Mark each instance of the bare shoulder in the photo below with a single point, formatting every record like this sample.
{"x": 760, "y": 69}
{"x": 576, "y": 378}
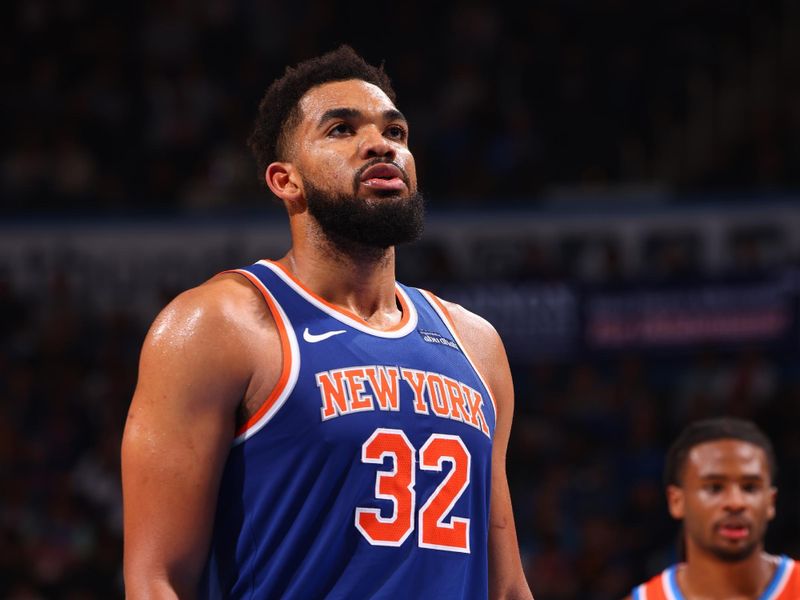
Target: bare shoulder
{"x": 484, "y": 346}
{"x": 226, "y": 311}
{"x": 475, "y": 331}
{"x": 226, "y": 300}
{"x": 212, "y": 338}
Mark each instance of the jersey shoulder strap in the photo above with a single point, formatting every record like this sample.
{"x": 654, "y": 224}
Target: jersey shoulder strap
{"x": 663, "y": 586}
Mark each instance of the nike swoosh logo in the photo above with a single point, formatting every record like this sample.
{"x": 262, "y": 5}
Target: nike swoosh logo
{"x": 313, "y": 338}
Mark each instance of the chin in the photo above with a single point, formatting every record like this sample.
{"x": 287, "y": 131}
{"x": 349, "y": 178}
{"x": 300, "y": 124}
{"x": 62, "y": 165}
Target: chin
{"x": 731, "y": 555}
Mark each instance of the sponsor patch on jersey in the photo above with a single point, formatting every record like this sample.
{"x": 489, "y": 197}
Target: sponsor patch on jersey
{"x": 437, "y": 338}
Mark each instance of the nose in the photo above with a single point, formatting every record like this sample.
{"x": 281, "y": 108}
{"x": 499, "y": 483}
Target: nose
{"x": 373, "y": 144}
{"x": 734, "y": 498}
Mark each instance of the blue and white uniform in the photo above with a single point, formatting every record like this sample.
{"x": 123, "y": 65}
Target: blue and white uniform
{"x": 367, "y": 471}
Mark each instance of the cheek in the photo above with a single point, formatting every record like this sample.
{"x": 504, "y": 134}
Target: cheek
{"x": 412, "y": 174}
{"x": 699, "y": 511}
{"x": 329, "y": 163}
{"x": 406, "y": 160}
{"x": 328, "y": 170}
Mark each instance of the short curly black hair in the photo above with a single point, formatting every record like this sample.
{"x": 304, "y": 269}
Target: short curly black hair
{"x": 278, "y": 112}
{"x": 709, "y": 430}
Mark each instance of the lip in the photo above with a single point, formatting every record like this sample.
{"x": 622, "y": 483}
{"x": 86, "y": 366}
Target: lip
{"x": 733, "y": 530}
{"x": 382, "y": 171}
{"x": 385, "y": 176}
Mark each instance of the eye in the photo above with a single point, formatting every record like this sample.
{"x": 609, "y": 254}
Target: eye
{"x": 751, "y": 488}
{"x": 396, "y": 132}
{"x": 713, "y": 488}
{"x": 340, "y": 129}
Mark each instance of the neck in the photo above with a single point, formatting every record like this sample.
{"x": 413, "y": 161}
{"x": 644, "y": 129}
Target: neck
{"x": 359, "y": 280}
{"x": 705, "y": 576}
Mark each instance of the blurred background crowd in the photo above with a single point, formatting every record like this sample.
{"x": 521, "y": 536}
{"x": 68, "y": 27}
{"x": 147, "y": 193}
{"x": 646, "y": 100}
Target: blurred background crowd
{"x": 145, "y": 105}
{"x": 614, "y": 184}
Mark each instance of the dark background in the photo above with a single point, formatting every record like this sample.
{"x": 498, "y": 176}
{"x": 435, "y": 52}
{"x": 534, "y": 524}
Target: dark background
{"x": 614, "y": 184}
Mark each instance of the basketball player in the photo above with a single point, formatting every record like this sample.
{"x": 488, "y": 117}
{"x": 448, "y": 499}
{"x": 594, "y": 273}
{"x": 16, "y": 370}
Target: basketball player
{"x": 719, "y": 475}
{"x": 307, "y": 427}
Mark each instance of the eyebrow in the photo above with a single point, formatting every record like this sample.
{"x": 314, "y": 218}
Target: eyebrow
{"x": 746, "y": 476}
{"x": 353, "y": 113}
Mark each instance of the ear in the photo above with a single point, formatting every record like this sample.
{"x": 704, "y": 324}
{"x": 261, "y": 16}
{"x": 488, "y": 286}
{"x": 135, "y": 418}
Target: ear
{"x": 773, "y": 494}
{"x": 675, "y": 502}
{"x": 284, "y": 181}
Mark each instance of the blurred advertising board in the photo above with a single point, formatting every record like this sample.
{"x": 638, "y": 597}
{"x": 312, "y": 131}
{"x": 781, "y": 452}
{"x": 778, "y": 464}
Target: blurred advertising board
{"x": 137, "y": 267}
{"x": 560, "y": 320}
{"x": 703, "y": 313}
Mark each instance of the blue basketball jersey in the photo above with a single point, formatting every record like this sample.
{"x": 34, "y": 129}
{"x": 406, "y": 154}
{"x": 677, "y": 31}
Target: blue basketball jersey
{"x": 367, "y": 471}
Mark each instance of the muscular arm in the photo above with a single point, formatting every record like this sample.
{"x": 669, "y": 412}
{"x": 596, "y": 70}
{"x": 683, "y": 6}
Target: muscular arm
{"x": 195, "y": 369}
{"x": 506, "y": 577}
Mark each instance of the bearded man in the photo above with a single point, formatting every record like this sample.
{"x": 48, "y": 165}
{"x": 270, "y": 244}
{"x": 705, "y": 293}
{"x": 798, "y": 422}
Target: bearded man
{"x": 308, "y": 427}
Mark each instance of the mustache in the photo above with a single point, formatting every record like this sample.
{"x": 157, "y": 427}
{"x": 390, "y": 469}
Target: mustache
{"x": 732, "y": 522}
{"x": 380, "y": 161}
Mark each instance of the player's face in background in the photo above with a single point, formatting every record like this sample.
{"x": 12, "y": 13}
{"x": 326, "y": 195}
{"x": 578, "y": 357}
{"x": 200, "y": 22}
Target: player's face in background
{"x": 726, "y": 499}
{"x": 359, "y": 177}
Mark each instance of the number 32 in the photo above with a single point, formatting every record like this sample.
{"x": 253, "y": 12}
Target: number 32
{"x": 397, "y": 485}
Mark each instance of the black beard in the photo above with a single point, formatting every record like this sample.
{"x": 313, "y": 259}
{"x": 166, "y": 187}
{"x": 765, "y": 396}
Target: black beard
{"x": 352, "y": 223}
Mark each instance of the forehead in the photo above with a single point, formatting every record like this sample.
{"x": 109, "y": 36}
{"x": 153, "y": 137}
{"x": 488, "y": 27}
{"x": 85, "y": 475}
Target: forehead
{"x": 352, "y": 93}
{"x": 728, "y": 458}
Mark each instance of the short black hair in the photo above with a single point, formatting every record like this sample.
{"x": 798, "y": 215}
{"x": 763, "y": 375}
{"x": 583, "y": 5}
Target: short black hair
{"x": 278, "y": 112}
{"x": 709, "y": 430}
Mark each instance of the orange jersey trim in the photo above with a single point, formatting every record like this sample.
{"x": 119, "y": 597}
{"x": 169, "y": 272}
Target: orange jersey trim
{"x": 789, "y": 588}
{"x": 403, "y": 306}
{"x": 653, "y": 589}
{"x": 451, "y": 324}
{"x": 286, "y": 355}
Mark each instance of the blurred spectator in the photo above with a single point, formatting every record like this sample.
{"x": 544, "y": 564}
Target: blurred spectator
{"x": 143, "y": 105}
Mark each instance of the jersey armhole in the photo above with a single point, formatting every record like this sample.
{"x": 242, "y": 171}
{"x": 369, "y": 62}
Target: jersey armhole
{"x": 290, "y": 363}
{"x": 440, "y": 307}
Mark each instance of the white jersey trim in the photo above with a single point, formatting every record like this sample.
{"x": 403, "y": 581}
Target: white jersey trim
{"x": 410, "y": 325}
{"x": 451, "y": 328}
{"x": 294, "y": 363}
{"x": 784, "y": 573}
{"x": 669, "y": 583}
